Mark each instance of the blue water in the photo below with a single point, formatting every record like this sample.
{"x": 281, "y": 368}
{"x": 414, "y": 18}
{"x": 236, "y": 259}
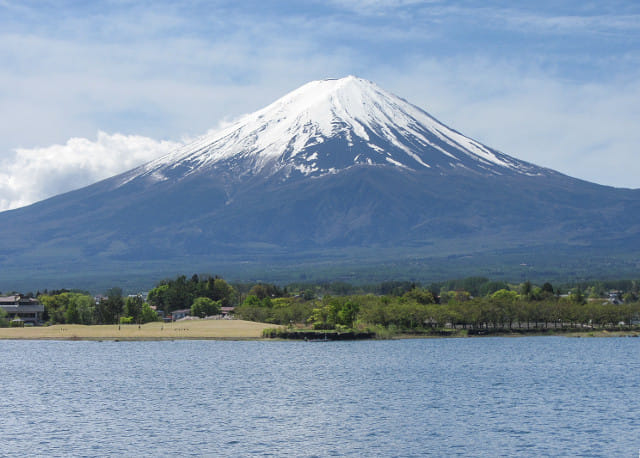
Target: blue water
{"x": 443, "y": 397}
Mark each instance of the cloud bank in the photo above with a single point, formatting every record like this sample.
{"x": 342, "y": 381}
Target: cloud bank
{"x": 34, "y": 174}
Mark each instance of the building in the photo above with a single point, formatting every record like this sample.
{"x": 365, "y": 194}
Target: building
{"x": 25, "y": 308}
{"x": 180, "y": 314}
{"x": 227, "y": 312}
{"x": 615, "y": 297}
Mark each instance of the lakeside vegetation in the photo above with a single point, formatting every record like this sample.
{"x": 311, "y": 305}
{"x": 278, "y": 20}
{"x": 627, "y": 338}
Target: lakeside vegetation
{"x": 470, "y": 306}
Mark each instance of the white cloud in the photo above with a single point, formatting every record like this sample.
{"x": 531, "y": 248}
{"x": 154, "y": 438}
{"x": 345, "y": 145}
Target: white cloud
{"x": 593, "y": 24}
{"x": 37, "y": 173}
{"x": 375, "y": 6}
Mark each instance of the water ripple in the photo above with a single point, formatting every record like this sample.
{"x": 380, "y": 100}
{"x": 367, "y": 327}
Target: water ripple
{"x": 453, "y": 397}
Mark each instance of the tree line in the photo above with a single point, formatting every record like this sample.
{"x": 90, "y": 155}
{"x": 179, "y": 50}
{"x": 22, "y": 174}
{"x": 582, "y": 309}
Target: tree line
{"x": 81, "y": 308}
{"x": 419, "y": 309}
{"x": 474, "y": 302}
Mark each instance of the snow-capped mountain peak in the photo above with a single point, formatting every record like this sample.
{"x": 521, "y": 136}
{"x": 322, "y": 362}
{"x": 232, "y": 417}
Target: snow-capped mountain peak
{"x": 329, "y": 125}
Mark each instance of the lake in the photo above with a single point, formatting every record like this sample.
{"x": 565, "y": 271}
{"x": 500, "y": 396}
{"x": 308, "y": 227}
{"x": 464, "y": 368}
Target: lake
{"x": 443, "y": 397}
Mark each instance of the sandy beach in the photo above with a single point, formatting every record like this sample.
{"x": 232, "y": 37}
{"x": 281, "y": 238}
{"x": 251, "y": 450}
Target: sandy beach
{"x": 188, "y": 329}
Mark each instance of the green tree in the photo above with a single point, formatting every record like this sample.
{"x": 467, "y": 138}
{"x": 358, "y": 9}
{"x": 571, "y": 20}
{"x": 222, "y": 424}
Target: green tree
{"x": 262, "y": 290}
{"x": 176, "y": 294}
{"x": 148, "y": 314}
{"x": 71, "y": 315}
{"x": 252, "y": 300}
{"x": 55, "y": 306}
{"x": 577, "y": 297}
{"x": 133, "y": 308}
{"x": 455, "y": 296}
{"x": 158, "y": 297}
{"x": 256, "y": 313}
{"x": 4, "y": 322}
{"x": 526, "y": 290}
{"x": 491, "y": 287}
{"x": 548, "y": 288}
{"x": 86, "y": 308}
{"x": 568, "y": 311}
{"x": 421, "y": 296}
{"x": 504, "y": 302}
{"x": 290, "y": 310}
{"x": 223, "y": 292}
{"x": 347, "y": 314}
{"x": 110, "y": 309}
{"x": 505, "y": 295}
{"x": 203, "y": 307}
{"x": 319, "y": 318}
{"x": 68, "y": 307}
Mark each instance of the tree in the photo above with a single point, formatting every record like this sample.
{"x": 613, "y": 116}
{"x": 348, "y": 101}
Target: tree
{"x": 203, "y": 307}
{"x": 133, "y": 308}
{"x": 421, "y": 296}
{"x": 148, "y": 314}
{"x": 319, "y": 318}
{"x": 547, "y": 288}
{"x": 454, "y": 296}
{"x": 71, "y": 315}
{"x": 526, "y": 290}
{"x": 577, "y": 297}
{"x": 55, "y": 306}
{"x": 86, "y": 309}
{"x": 68, "y": 307}
{"x": 4, "y": 322}
{"x": 505, "y": 295}
{"x": 262, "y": 290}
{"x": 158, "y": 297}
{"x": 176, "y": 294}
{"x": 223, "y": 292}
{"x": 110, "y": 309}
{"x": 491, "y": 287}
{"x": 347, "y": 314}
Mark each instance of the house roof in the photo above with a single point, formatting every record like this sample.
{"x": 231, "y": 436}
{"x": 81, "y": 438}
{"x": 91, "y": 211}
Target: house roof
{"x": 20, "y": 304}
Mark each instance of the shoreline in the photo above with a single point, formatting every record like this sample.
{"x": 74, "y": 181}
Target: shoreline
{"x": 239, "y": 330}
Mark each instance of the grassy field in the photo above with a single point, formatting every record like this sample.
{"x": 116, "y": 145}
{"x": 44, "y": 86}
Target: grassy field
{"x": 188, "y": 329}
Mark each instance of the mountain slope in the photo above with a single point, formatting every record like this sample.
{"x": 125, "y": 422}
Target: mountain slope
{"x": 336, "y": 169}
{"x": 330, "y": 125}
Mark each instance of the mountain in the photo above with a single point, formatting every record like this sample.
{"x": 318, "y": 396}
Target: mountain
{"x": 337, "y": 171}
{"x": 326, "y": 127}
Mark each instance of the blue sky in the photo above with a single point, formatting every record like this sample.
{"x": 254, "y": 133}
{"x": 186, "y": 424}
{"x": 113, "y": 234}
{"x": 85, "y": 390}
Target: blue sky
{"x": 89, "y": 89}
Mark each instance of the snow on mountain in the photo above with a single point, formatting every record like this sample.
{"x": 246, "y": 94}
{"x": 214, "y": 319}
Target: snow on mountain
{"x": 326, "y": 126}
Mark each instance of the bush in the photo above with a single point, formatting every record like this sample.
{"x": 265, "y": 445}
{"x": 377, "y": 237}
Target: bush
{"x": 270, "y": 333}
